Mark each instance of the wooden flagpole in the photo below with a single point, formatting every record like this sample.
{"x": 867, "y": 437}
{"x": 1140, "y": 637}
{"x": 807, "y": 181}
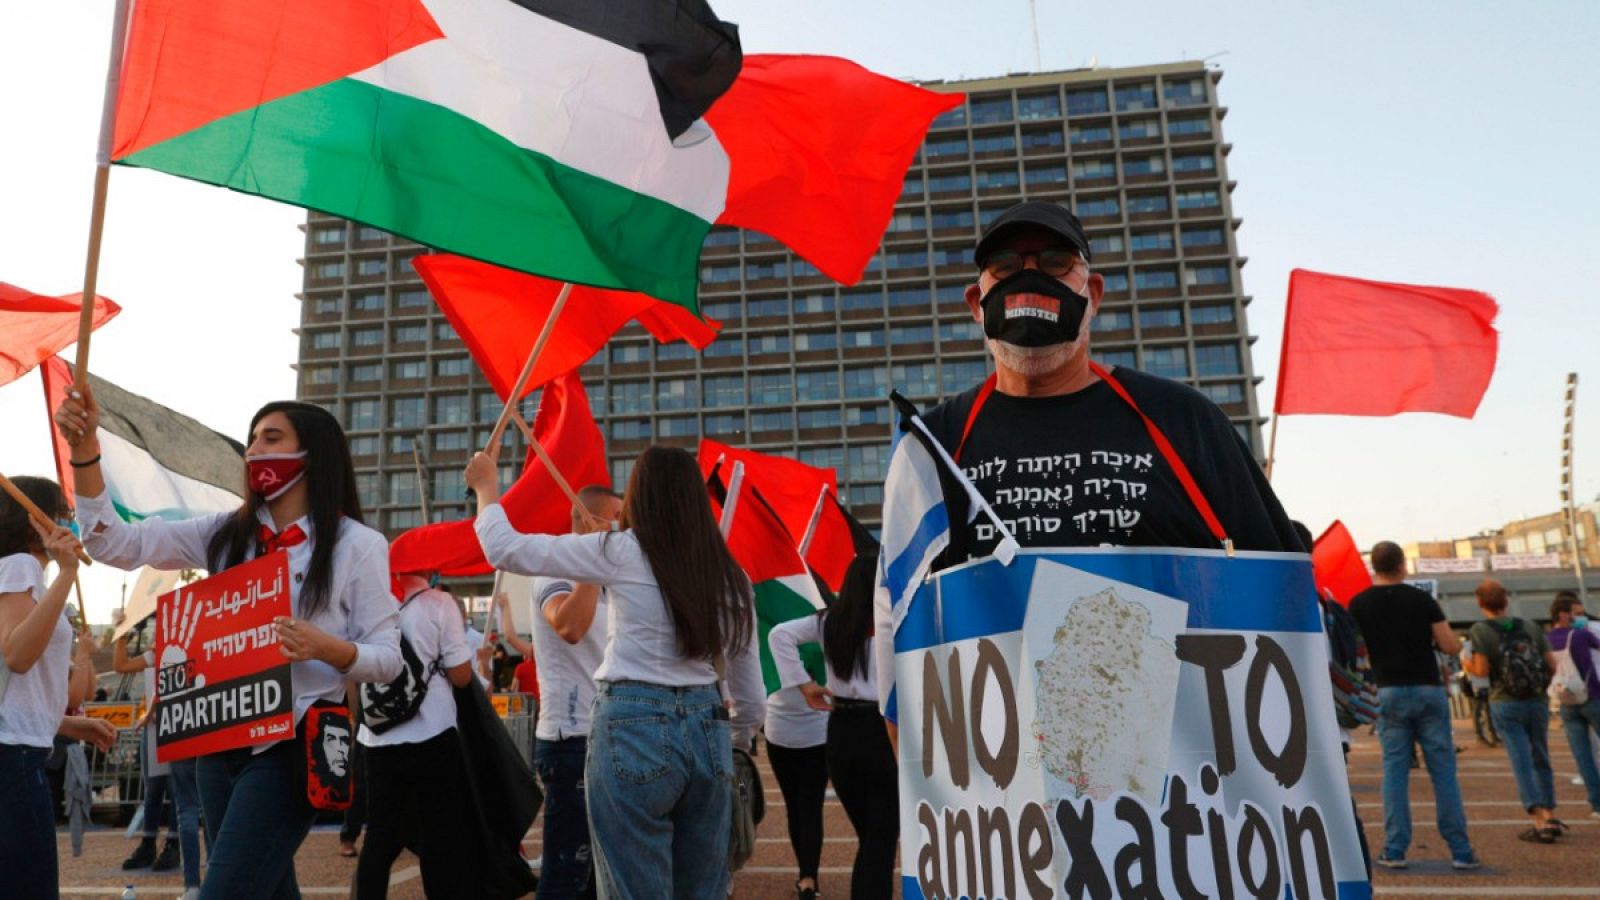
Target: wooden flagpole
{"x": 527, "y": 370}
{"x": 1272, "y": 444}
{"x": 102, "y": 183}
{"x": 549, "y": 464}
{"x": 37, "y": 514}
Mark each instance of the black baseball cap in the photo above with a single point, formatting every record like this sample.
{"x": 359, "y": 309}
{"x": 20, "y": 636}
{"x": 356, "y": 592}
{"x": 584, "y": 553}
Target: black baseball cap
{"x": 1032, "y": 214}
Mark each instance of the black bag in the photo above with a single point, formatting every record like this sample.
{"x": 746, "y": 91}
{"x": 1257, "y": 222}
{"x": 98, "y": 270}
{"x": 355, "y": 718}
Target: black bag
{"x": 503, "y": 796}
{"x": 1523, "y": 671}
{"x": 383, "y": 706}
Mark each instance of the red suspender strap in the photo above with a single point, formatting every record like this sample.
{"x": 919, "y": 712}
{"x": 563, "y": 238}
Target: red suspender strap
{"x": 972, "y": 415}
{"x": 1171, "y": 455}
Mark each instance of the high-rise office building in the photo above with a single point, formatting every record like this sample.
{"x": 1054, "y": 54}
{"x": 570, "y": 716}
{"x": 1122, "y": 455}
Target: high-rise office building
{"x": 803, "y": 365}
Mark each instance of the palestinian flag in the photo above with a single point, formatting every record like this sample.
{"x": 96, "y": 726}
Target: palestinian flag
{"x": 784, "y": 587}
{"x": 158, "y": 464}
{"x": 537, "y": 134}
{"x": 547, "y": 136}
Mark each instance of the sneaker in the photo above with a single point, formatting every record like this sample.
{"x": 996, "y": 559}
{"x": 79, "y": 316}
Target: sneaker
{"x": 142, "y": 855}
{"x": 1391, "y": 862}
{"x": 168, "y": 859}
{"x": 805, "y": 893}
{"x": 1464, "y": 863}
{"x": 1594, "y": 813}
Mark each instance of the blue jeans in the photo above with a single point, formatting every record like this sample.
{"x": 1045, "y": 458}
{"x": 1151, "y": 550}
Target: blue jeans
{"x": 1582, "y": 724}
{"x": 186, "y": 797}
{"x": 157, "y": 809}
{"x": 256, "y": 816}
{"x": 1419, "y": 714}
{"x": 660, "y": 786}
{"x": 27, "y": 825}
{"x": 567, "y": 867}
{"x": 1524, "y": 727}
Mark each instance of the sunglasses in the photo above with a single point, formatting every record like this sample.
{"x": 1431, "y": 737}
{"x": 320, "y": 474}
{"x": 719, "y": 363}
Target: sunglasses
{"x": 1055, "y": 263}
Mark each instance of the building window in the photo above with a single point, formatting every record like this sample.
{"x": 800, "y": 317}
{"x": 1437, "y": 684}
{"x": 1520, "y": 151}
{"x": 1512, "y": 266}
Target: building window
{"x": 1136, "y": 97}
{"x": 367, "y": 337}
{"x": 823, "y": 457}
{"x": 373, "y": 265}
{"x": 760, "y": 270}
{"x": 987, "y": 214}
{"x": 1155, "y": 279}
{"x": 1038, "y": 106}
{"x": 674, "y": 393}
{"x": 1143, "y": 165}
{"x": 910, "y": 334}
{"x": 1150, "y": 240}
{"x": 952, "y": 218}
{"x": 862, "y": 337}
{"x": 724, "y": 348}
{"x": 1212, "y": 314}
{"x": 1205, "y": 198}
{"x": 950, "y": 118}
{"x": 449, "y": 485}
{"x": 868, "y": 463}
{"x": 1189, "y": 92}
{"x": 1099, "y": 206}
{"x": 364, "y": 445}
{"x": 946, "y": 147}
{"x": 820, "y": 418}
{"x": 322, "y": 237}
{"x": 676, "y": 350}
{"x": 1116, "y": 282}
{"x": 1217, "y": 359}
{"x": 446, "y": 441}
{"x": 367, "y": 489}
{"x": 1206, "y": 275}
{"x": 904, "y": 298}
{"x": 867, "y": 415}
{"x": 1168, "y": 362}
{"x": 1090, "y": 134}
{"x": 866, "y": 495}
{"x": 444, "y": 333}
{"x": 367, "y": 301}
{"x": 678, "y": 427}
{"x": 1087, "y": 101}
{"x": 958, "y": 376}
{"x": 451, "y": 409}
{"x": 770, "y": 390}
{"x": 1139, "y": 204}
{"x": 490, "y": 406}
{"x": 1101, "y": 244}
{"x": 453, "y": 367}
{"x": 1110, "y": 358}
{"x": 1042, "y": 139}
{"x": 725, "y": 390}
{"x": 1112, "y": 320}
{"x": 963, "y": 331}
{"x": 325, "y": 306}
{"x": 1210, "y": 236}
{"x": 723, "y": 274}
{"x": 812, "y": 304}
{"x": 912, "y": 187}
{"x": 411, "y": 368}
{"x": 367, "y": 233}
{"x": 326, "y": 340}
{"x": 729, "y": 424}
{"x": 403, "y": 488}
{"x": 630, "y": 397}
{"x": 723, "y": 310}
{"x": 816, "y": 340}
{"x": 1001, "y": 142}
{"x": 817, "y": 384}
{"x": 1223, "y": 394}
{"x": 949, "y": 183}
{"x": 721, "y": 237}
{"x": 870, "y": 382}
{"x": 410, "y": 334}
{"x": 362, "y": 415}
{"x": 327, "y": 270}
{"x": 408, "y": 412}
{"x": 907, "y": 221}
{"x": 630, "y": 353}
{"x": 1194, "y": 162}
{"x": 1161, "y": 317}
{"x": 951, "y": 256}
{"x": 1138, "y": 129}
{"x": 1094, "y": 168}
{"x": 321, "y": 374}
{"x": 630, "y": 430}
{"x": 989, "y": 110}
{"x": 905, "y": 260}
{"x": 1041, "y": 176}
{"x": 1188, "y": 126}
{"x": 867, "y": 298}
{"x": 771, "y": 420}
{"x": 919, "y": 380}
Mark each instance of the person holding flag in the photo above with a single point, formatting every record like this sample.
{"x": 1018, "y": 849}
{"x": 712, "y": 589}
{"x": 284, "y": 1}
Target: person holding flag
{"x": 680, "y": 620}
{"x": 302, "y": 499}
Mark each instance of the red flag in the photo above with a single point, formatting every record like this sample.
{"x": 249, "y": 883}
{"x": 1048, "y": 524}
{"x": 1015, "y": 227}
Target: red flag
{"x": 835, "y": 539}
{"x": 818, "y": 149}
{"x": 534, "y": 505}
{"x": 34, "y": 328}
{"x": 1337, "y": 565}
{"x": 1369, "y": 348}
{"x": 498, "y": 313}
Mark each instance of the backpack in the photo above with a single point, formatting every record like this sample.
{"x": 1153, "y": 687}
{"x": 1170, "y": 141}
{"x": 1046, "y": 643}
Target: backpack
{"x": 1355, "y": 690}
{"x": 1568, "y": 687}
{"x": 1523, "y": 672}
{"x": 383, "y": 706}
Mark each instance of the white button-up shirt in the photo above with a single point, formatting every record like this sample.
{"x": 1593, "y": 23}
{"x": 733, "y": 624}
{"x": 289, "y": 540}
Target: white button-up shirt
{"x": 359, "y": 607}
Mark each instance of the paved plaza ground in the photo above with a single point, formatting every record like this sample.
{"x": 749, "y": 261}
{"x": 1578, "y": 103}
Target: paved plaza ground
{"x": 1511, "y": 869}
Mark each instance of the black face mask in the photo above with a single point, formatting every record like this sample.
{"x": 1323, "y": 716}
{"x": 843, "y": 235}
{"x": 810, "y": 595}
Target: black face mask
{"x": 1053, "y": 316}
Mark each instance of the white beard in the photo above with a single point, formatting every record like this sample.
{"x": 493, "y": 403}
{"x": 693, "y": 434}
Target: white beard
{"x": 1031, "y": 362}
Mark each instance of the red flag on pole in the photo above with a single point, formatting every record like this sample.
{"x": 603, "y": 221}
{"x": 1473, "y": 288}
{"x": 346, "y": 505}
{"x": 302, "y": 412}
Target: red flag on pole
{"x": 1337, "y": 566}
{"x": 1369, "y": 348}
{"x": 495, "y": 310}
{"x": 34, "y": 328}
{"x": 565, "y": 427}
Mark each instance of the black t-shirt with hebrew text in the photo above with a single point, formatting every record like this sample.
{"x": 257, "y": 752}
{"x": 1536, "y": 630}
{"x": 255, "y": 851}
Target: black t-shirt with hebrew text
{"x": 1081, "y": 470}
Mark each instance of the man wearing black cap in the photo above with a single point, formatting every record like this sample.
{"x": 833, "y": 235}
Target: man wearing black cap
{"x": 1065, "y": 459}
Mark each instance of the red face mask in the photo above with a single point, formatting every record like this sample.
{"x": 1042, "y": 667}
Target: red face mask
{"x": 271, "y": 474}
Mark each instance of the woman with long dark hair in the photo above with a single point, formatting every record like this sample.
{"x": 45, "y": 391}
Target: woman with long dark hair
{"x": 679, "y": 608}
{"x": 860, "y": 760}
{"x": 302, "y": 499}
{"x": 36, "y": 646}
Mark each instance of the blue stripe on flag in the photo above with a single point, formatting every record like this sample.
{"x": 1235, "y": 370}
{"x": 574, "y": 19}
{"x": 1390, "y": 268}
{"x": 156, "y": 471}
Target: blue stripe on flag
{"x": 898, "y": 574}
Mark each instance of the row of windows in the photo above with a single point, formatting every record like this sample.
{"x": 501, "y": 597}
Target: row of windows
{"x": 1030, "y": 106}
{"x": 1035, "y": 139}
{"x": 669, "y": 394}
{"x": 365, "y": 267}
{"x": 1114, "y": 320}
{"x": 371, "y": 338}
{"x": 1117, "y": 280}
{"x": 329, "y": 236}
{"x": 1044, "y": 175}
{"x": 1173, "y": 361}
{"x": 371, "y": 301}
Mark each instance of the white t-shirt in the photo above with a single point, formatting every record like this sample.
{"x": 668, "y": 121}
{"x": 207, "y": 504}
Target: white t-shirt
{"x": 792, "y": 723}
{"x": 641, "y": 639}
{"x": 432, "y": 625}
{"x": 785, "y": 640}
{"x": 35, "y": 700}
{"x": 566, "y": 671}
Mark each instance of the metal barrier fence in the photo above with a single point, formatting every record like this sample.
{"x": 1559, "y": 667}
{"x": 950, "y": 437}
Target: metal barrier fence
{"x": 519, "y": 712}
{"x": 116, "y": 780}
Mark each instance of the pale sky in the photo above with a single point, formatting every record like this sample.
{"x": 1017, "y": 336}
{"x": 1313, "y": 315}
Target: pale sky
{"x": 1430, "y": 143}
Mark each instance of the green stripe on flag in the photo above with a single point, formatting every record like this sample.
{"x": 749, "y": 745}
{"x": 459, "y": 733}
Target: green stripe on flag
{"x": 776, "y": 603}
{"x": 427, "y": 173}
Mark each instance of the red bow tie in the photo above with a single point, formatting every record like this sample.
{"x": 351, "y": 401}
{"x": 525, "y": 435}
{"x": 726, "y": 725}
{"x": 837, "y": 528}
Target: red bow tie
{"x": 283, "y": 540}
